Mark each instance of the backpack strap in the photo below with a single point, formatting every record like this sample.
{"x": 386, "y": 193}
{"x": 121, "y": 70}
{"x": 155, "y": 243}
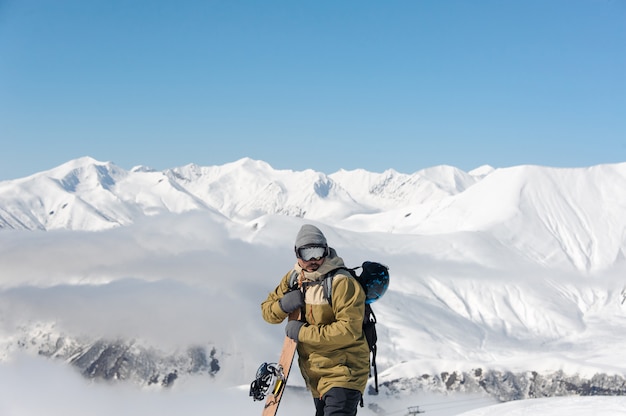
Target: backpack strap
{"x": 327, "y": 286}
{"x": 369, "y": 329}
{"x": 293, "y": 280}
{"x": 327, "y": 282}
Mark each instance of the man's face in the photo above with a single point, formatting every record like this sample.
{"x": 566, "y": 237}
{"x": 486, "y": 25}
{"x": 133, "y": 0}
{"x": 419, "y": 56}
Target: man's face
{"x": 310, "y": 258}
{"x": 311, "y": 265}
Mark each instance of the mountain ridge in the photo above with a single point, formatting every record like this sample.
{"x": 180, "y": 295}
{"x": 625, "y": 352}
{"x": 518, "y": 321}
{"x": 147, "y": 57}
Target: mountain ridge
{"x": 549, "y": 213}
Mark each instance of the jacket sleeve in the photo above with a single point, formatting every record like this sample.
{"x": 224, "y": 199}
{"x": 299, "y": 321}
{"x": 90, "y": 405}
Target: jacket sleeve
{"x": 270, "y": 308}
{"x": 349, "y": 307}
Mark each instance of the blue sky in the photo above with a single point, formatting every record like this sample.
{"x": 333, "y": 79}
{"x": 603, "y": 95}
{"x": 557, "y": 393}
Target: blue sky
{"x": 312, "y": 84}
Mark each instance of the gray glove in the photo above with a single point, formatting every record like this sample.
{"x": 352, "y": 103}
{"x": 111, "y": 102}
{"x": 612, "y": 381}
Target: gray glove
{"x": 293, "y": 329}
{"x": 291, "y": 301}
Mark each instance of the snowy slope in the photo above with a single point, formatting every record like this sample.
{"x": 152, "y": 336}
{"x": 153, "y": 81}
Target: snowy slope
{"x": 498, "y": 275}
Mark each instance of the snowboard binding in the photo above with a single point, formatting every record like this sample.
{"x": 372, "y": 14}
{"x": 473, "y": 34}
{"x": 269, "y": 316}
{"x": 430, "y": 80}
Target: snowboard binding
{"x": 269, "y": 377}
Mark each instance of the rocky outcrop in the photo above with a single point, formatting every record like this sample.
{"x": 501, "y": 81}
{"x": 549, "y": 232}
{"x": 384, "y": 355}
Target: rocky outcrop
{"x": 506, "y": 385}
{"x": 127, "y": 360}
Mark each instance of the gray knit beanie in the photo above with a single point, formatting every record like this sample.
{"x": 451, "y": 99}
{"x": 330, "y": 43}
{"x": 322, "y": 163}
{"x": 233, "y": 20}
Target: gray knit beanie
{"x": 310, "y": 235}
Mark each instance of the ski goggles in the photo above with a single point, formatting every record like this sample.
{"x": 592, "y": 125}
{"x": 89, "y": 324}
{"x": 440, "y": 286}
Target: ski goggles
{"x": 312, "y": 253}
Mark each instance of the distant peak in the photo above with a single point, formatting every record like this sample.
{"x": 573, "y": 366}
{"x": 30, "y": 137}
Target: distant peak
{"x": 481, "y": 171}
{"x": 249, "y": 162}
{"x": 142, "y": 168}
{"x": 80, "y": 163}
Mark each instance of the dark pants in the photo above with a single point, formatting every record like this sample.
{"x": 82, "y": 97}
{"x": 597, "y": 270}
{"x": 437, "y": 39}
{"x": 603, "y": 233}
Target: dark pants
{"x": 338, "y": 401}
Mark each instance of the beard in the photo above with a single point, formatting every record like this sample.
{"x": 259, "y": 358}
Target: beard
{"x": 311, "y": 266}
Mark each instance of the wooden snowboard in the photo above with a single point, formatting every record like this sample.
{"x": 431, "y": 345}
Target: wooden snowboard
{"x": 285, "y": 361}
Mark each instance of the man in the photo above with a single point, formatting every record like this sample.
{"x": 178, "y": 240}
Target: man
{"x": 333, "y": 354}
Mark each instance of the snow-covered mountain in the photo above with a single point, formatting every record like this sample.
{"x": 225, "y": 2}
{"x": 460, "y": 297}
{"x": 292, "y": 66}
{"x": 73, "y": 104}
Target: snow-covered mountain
{"x": 569, "y": 217}
{"x": 507, "y": 281}
{"x": 85, "y": 194}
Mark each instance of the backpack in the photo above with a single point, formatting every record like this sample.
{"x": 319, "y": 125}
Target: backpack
{"x": 374, "y": 279}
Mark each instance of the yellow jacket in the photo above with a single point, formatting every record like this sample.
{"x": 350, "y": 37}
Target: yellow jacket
{"x": 332, "y": 349}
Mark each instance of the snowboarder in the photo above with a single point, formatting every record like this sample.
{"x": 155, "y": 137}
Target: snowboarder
{"x": 333, "y": 354}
